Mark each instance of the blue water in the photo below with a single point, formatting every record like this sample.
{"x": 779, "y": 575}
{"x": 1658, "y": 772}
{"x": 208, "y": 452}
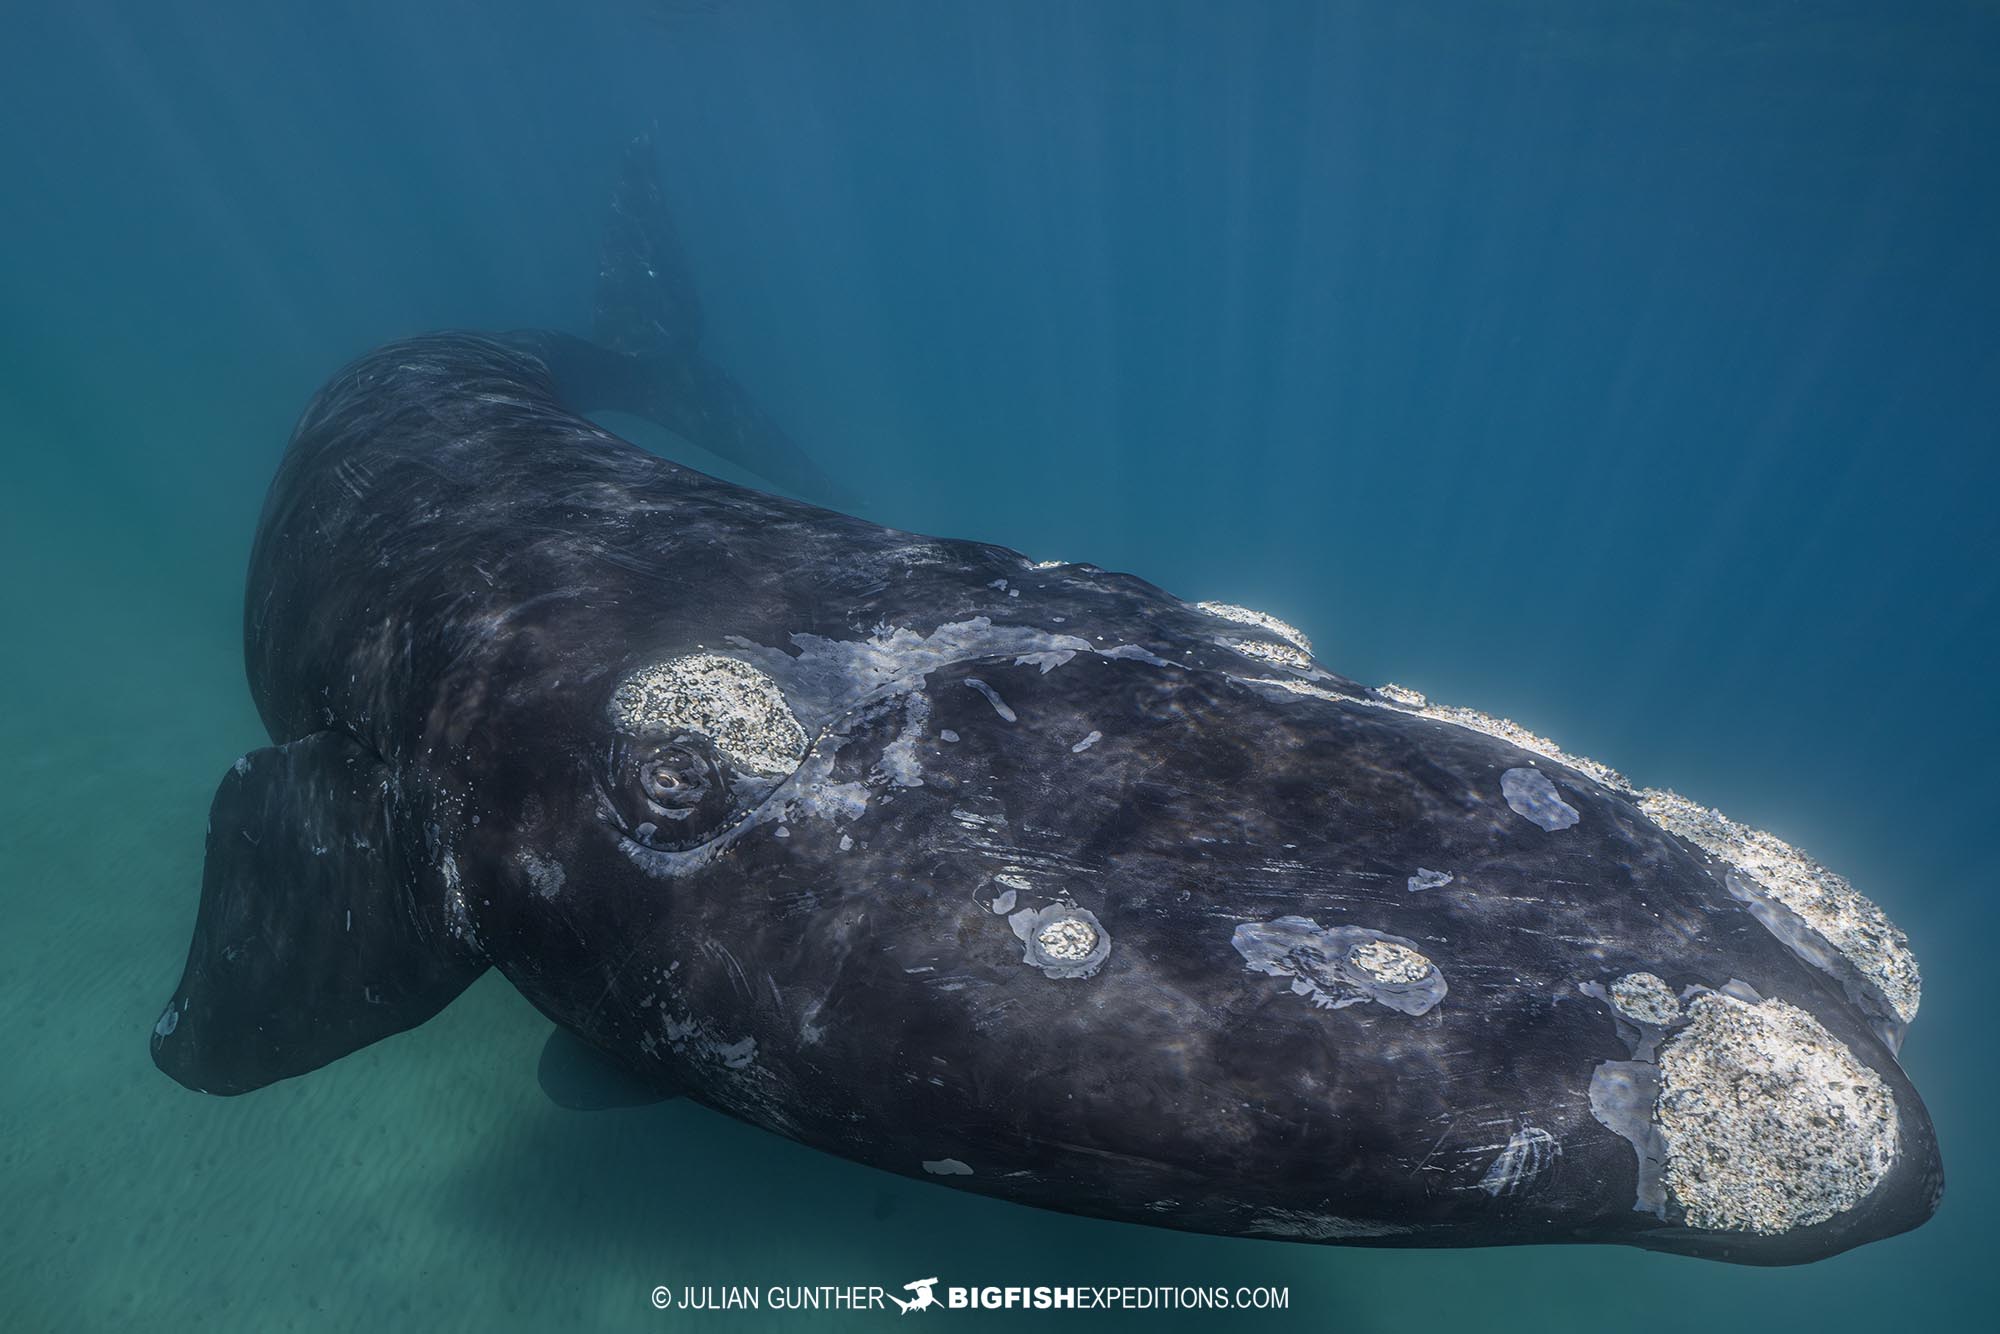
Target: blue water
{"x": 1628, "y": 369}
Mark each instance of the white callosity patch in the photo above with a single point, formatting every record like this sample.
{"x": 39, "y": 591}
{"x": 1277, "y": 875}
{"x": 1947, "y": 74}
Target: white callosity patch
{"x": 946, "y": 1167}
{"x": 1427, "y": 879}
{"x": 1405, "y": 700}
{"x": 1770, "y": 1123}
{"x": 730, "y": 702}
{"x": 1062, "y": 941}
{"x": 1229, "y": 611}
{"x": 1278, "y": 655}
{"x": 1646, "y": 998}
{"x": 1339, "y": 966}
{"x": 1862, "y": 933}
{"x": 1391, "y": 963}
{"x": 1067, "y": 939}
{"x": 1534, "y": 798}
{"x": 1294, "y": 686}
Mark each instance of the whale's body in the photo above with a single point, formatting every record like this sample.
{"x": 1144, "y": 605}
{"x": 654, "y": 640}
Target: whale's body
{"x": 1029, "y": 877}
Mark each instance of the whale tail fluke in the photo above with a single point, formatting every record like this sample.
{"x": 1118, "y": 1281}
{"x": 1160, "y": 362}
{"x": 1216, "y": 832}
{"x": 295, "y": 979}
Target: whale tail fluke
{"x": 645, "y": 356}
{"x": 647, "y": 305}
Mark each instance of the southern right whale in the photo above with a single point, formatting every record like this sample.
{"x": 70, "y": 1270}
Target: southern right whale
{"x": 1025, "y": 876}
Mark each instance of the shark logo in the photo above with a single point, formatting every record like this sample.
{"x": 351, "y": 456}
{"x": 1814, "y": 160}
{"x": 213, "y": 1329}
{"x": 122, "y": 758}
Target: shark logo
{"x": 923, "y": 1299}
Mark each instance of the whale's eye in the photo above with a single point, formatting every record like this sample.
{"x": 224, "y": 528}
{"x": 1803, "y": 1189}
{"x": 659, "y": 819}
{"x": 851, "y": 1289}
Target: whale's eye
{"x": 674, "y": 791}
{"x": 677, "y": 778}
{"x": 702, "y": 739}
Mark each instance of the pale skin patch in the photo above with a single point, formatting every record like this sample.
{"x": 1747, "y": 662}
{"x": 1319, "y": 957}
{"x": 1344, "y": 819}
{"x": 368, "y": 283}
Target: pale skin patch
{"x": 1826, "y": 902}
{"x": 1061, "y": 940}
{"x": 1068, "y": 939}
{"x": 1229, "y": 611}
{"x": 1388, "y": 962}
{"x": 1646, "y": 998}
{"x": 1770, "y": 1122}
{"x": 736, "y": 706}
{"x": 1338, "y": 966}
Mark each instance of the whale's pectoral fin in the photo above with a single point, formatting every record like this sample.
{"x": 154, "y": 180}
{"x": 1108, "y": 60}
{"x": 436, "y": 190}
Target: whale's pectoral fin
{"x": 578, "y": 1076}
{"x": 311, "y": 942}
